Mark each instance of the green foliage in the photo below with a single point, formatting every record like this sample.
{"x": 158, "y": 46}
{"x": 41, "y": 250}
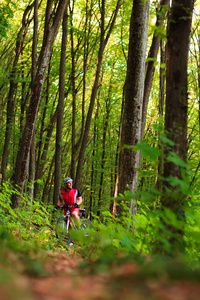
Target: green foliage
{"x": 6, "y": 14}
{"x": 28, "y": 230}
{"x": 147, "y": 151}
{"x": 142, "y": 234}
{"x": 15, "y": 251}
{"x": 108, "y": 241}
{"x": 30, "y": 222}
{"x": 150, "y": 233}
{"x": 173, "y": 157}
{"x": 155, "y": 225}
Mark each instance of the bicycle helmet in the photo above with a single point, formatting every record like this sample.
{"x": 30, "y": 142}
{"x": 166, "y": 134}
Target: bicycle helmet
{"x": 66, "y": 180}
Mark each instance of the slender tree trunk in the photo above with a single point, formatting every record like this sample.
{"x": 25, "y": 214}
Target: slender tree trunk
{"x": 92, "y": 182}
{"x": 39, "y": 162}
{"x": 103, "y": 43}
{"x": 178, "y": 36}
{"x": 60, "y": 111}
{"x": 132, "y": 115}
{"x": 114, "y": 209}
{"x": 179, "y": 27}
{"x": 43, "y": 153}
{"x": 48, "y": 183}
{"x": 161, "y": 107}
{"x": 87, "y": 32}
{"x": 103, "y": 156}
{"x": 153, "y": 53}
{"x": 73, "y": 153}
{"x": 13, "y": 87}
{"x": 50, "y": 33}
{"x": 33, "y": 73}
{"x": 198, "y": 69}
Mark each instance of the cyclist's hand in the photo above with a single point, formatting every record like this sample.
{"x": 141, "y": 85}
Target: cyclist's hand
{"x": 64, "y": 206}
{"x": 57, "y": 206}
{"x": 76, "y": 205}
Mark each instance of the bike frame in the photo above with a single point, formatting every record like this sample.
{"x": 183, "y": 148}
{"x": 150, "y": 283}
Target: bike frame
{"x": 68, "y": 223}
{"x": 69, "y": 220}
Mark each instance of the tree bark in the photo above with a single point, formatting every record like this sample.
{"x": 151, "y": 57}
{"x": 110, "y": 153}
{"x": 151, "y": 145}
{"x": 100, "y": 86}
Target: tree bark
{"x": 73, "y": 84}
{"x": 60, "y": 111}
{"x": 179, "y": 27}
{"x": 105, "y": 127}
{"x": 93, "y": 172}
{"x": 50, "y": 32}
{"x": 132, "y": 113}
{"x": 40, "y": 152}
{"x": 178, "y": 35}
{"x": 161, "y": 108}
{"x": 43, "y": 153}
{"x": 33, "y": 73}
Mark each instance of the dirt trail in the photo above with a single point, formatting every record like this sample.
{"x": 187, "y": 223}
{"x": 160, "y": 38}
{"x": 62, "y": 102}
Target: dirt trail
{"x": 64, "y": 280}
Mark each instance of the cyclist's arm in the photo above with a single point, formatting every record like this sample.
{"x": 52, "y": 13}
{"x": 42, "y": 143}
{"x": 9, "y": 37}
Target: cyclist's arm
{"x": 61, "y": 200}
{"x": 79, "y": 198}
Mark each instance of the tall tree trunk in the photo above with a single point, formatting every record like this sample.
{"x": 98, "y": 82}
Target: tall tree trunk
{"x": 103, "y": 43}
{"x": 153, "y": 52}
{"x": 178, "y": 35}
{"x": 47, "y": 185}
{"x": 39, "y": 162}
{"x": 50, "y": 33}
{"x": 132, "y": 114}
{"x": 161, "y": 107}
{"x": 87, "y": 32}
{"x": 114, "y": 209}
{"x": 43, "y": 154}
{"x": 13, "y": 86}
{"x": 198, "y": 70}
{"x": 105, "y": 127}
{"x": 73, "y": 153}
{"x": 92, "y": 176}
{"x": 60, "y": 111}
{"x": 33, "y": 73}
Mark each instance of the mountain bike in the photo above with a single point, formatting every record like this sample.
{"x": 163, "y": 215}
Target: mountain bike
{"x": 65, "y": 225}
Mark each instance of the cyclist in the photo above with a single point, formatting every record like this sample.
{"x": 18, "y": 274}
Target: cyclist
{"x": 71, "y": 196}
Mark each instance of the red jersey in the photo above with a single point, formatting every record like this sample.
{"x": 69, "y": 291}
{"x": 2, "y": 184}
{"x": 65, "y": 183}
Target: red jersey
{"x": 70, "y": 196}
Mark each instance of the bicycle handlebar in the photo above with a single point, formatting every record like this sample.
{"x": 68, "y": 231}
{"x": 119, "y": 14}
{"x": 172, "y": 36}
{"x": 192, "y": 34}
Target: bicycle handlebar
{"x": 69, "y": 206}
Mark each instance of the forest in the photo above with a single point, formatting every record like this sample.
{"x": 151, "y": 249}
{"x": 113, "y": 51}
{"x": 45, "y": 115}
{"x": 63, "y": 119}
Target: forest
{"x": 108, "y": 93}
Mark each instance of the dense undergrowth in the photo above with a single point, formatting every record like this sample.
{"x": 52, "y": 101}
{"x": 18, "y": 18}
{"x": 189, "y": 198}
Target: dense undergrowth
{"x": 27, "y": 236}
{"x": 29, "y": 230}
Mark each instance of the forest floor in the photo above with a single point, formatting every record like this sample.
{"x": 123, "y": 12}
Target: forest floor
{"x": 66, "y": 275}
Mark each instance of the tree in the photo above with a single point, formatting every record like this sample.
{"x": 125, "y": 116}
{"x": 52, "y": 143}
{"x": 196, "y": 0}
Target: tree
{"x": 60, "y": 111}
{"x": 103, "y": 42}
{"x": 160, "y": 111}
{"x": 52, "y": 23}
{"x": 178, "y": 40}
{"x": 92, "y": 138}
{"x": 33, "y": 73}
{"x": 13, "y": 85}
{"x": 152, "y": 57}
{"x": 132, "y": 112}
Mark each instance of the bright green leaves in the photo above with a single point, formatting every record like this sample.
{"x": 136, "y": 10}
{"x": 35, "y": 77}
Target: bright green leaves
{"x": 147, "y": 150}
{"x": 6, "y": 14}
{"x": 173, "y": 157}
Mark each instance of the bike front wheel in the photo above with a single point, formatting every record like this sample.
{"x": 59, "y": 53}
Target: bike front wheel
{"x": 63, "y": 229}
{"x": 87, "y": 227}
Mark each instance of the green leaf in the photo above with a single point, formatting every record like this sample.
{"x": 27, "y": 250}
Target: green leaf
{"x": 173, "y": 157}
{"x": 166, "y": 140}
